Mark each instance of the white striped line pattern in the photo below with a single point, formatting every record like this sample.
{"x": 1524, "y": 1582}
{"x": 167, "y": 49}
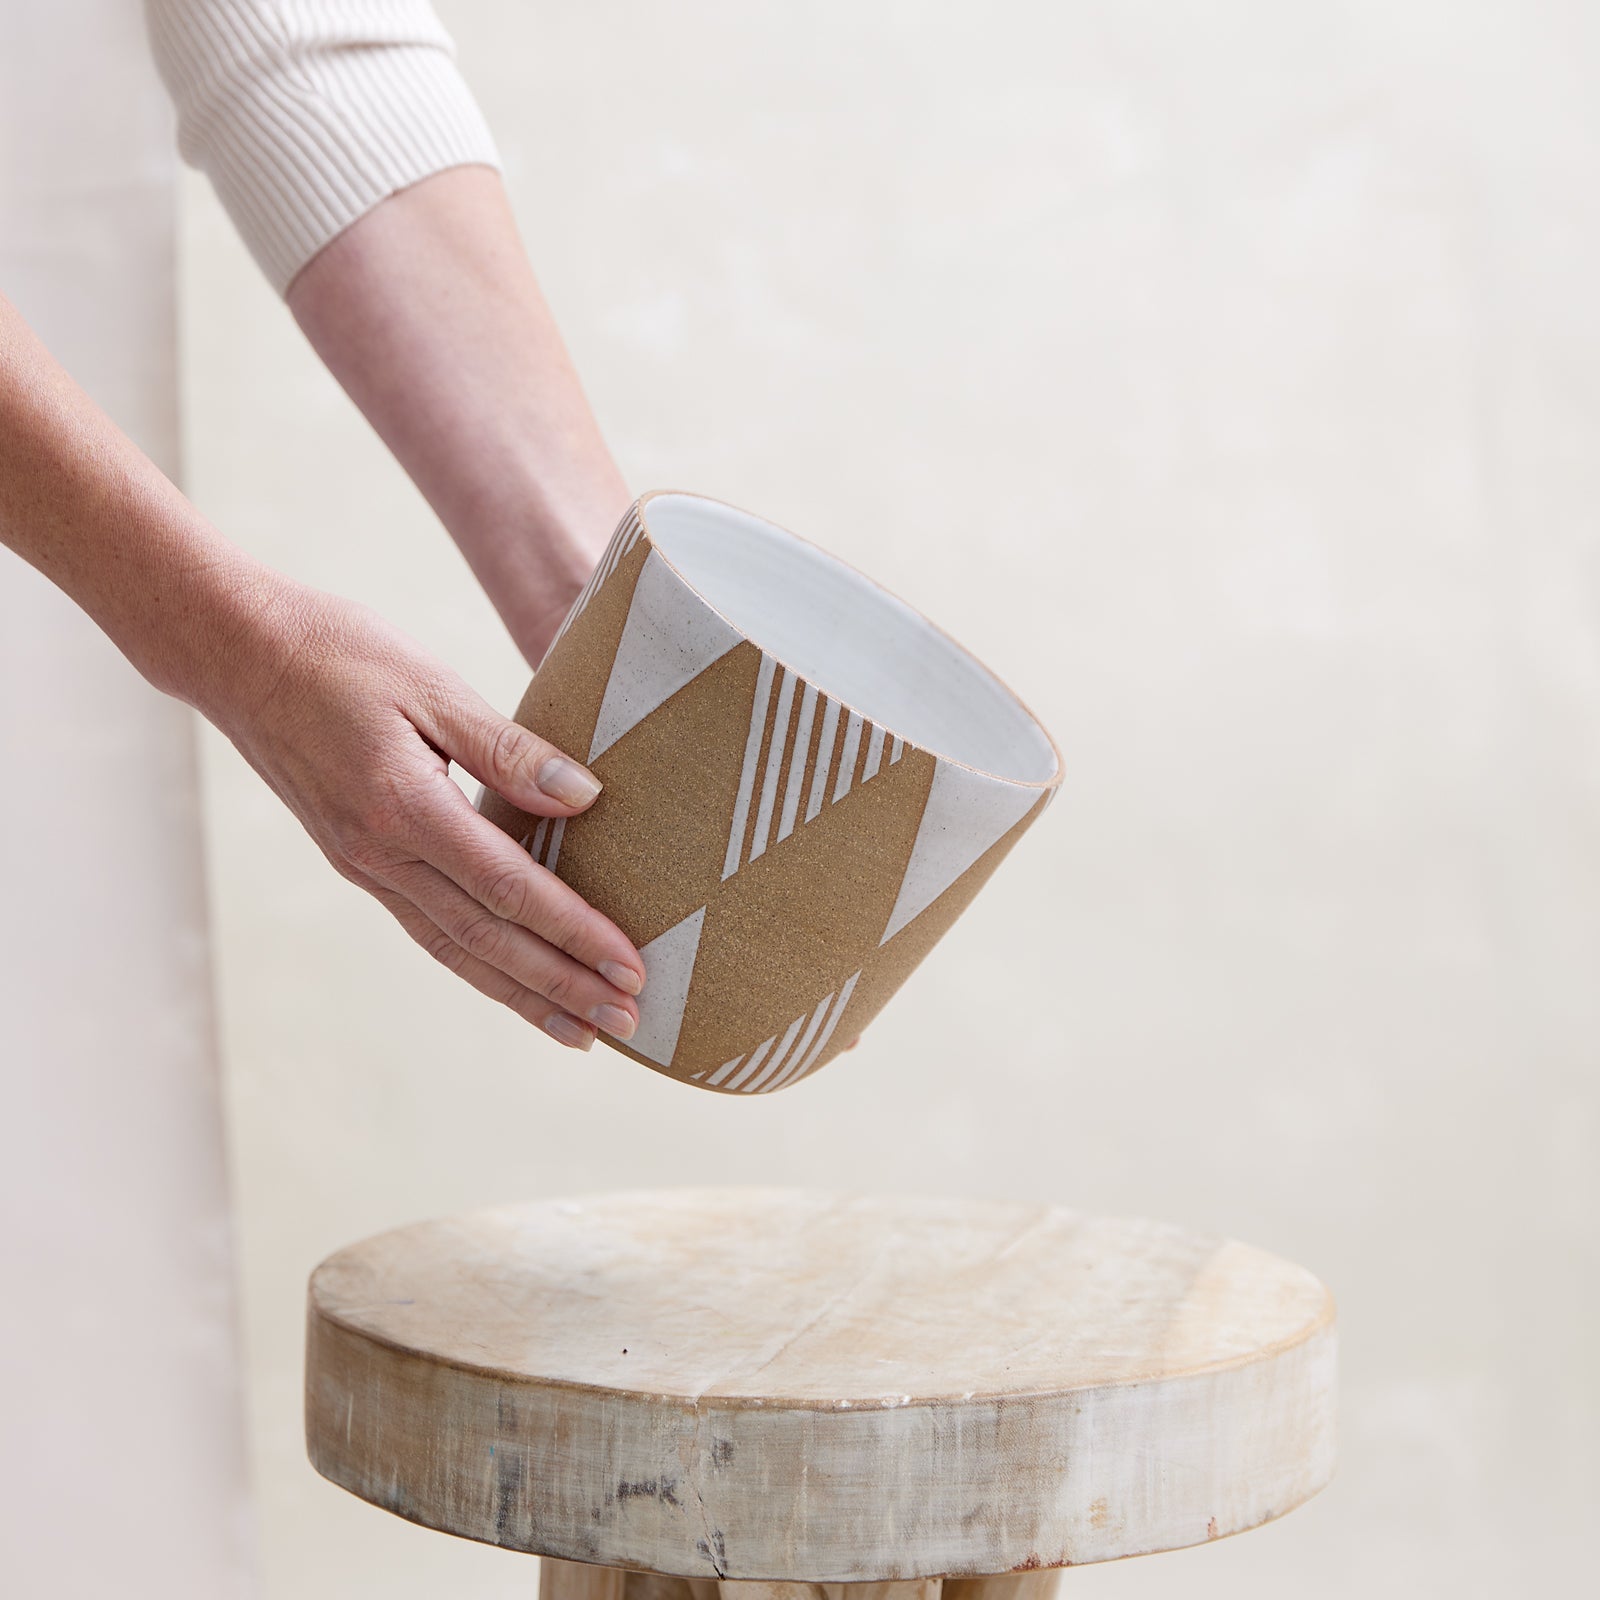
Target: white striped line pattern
{"x": 801, "y": 709}
{"x": 544, "y": 843}
{"x": 779, "y": 1061}
{"x": 622, "y": 541}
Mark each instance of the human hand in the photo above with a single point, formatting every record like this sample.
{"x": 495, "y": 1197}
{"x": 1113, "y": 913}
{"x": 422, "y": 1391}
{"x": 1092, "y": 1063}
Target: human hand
{"x": 354, "y": 726}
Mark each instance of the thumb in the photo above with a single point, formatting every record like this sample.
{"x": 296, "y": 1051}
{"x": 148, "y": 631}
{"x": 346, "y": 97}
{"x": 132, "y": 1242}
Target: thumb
{"x": 528, "y": 771}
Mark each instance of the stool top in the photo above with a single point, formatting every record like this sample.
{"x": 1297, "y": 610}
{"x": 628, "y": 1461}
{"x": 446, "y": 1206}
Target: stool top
{"x": 793, "y": 1384}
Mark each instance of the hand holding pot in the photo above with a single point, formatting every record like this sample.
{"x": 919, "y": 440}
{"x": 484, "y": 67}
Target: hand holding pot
{"x": 354, "y": 726}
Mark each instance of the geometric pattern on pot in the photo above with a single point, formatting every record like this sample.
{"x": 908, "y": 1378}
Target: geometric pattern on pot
{"x": 775, "y": 1062}
{"x": 833, "y": 767}
{"x": 805, "y": 785}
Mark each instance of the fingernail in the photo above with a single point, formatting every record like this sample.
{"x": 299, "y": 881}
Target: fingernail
{"x": 614, "y": 1020}
{"x": 568, "y": 1030}
{"x": 567, "y": 782}
{"x": 625, "y": 978}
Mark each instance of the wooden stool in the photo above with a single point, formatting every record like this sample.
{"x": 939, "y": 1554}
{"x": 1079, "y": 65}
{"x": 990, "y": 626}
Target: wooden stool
{"x": 688, "y": 1387}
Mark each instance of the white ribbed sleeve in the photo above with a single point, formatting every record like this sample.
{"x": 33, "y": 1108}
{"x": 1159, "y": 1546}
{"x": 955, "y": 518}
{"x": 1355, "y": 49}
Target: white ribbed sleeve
{"x": 306, "y": 113}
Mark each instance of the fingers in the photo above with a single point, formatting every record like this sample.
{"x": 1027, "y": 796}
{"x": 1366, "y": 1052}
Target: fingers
{"x": 497, "y": 873}
{"x": 527, "y": 960}
{"x": 487, "y": 980}
{"x": 529, "y": 771}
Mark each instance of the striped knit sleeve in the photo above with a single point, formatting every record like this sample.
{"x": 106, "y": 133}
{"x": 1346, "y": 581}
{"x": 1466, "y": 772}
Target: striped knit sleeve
{"x": 306, "y": 113}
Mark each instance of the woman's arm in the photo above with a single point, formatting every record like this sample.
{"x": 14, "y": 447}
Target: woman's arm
{"x": 357, "y": 168}
{"x": 427, "y": 311}
{"x": 351, "y": 723}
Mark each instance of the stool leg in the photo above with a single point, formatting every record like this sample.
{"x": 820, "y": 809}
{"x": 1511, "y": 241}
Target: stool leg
{"x": 1040, "y": 1585}
{"x": 582, "y": 1580}
{"x": 654, "y": 1586}
{"x": 910, "y": 1589}
{"x": 577, "y": 1580}
{"x": 755, "y": 1589}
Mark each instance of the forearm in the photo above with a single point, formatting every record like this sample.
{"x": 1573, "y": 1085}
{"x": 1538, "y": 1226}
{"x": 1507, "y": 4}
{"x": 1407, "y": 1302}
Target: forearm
{"x": 428, "y": 313}
{"x": 351, "y": 724}
{"x": 82, "y": 504}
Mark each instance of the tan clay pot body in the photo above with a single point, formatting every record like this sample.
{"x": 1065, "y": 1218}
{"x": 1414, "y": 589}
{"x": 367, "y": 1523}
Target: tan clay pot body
{"x": 805, "y": 784}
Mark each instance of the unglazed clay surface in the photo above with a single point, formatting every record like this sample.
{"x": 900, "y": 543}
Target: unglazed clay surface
{"x": 806, "y": 782}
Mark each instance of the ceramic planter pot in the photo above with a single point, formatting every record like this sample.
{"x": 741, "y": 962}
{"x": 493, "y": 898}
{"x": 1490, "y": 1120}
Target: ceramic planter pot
{"x": 806, "y": 782}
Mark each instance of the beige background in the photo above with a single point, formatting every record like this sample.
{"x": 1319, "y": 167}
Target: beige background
{"x": 1229, "y": 378}
{"x": 122, "y": 1453}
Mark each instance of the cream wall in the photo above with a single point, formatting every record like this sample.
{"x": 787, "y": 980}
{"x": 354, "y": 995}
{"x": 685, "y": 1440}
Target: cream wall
{"x": 122, "y": 1452}
{"x": 1229, "y": 378}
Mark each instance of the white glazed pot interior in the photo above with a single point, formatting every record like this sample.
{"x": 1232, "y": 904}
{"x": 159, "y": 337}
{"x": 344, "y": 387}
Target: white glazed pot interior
{"x": 850, "y": 638}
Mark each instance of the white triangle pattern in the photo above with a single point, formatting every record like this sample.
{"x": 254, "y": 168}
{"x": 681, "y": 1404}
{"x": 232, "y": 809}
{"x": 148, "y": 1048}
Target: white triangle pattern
{"x": 670, "y": 638}
{"x": 966, "y": 812}
{"x": 777, "y": 815}
{"x": 668, "y": 966}
{"x": 764, "y": 1070}
{"x": 623, "y": 540}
